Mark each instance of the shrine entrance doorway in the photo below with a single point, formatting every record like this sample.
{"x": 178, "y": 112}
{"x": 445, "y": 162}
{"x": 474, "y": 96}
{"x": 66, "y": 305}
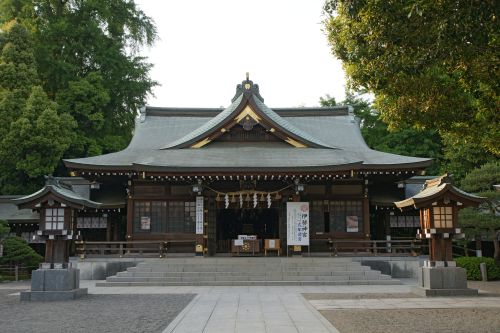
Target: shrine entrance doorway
{"x": 263, "y": 223}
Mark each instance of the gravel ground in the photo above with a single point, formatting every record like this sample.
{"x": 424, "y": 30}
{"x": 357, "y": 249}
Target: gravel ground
{"x": 415, "y": 320}
{"x": 91, "y": 313}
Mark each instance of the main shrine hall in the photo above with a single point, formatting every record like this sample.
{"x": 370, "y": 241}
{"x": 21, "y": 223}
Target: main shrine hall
{"x": 211, "y": 175}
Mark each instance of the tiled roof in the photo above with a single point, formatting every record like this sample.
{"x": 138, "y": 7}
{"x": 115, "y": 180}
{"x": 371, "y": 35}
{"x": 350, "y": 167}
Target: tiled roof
{"x": 332, "y": 133}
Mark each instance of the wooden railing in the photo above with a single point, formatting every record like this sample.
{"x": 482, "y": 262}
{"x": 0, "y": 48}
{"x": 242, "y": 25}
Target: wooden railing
{"x": 378, "y": 247}
{"x": 161, "y": 248}
{"x": 14, "y": 272}
{"x": 128, "y": 248}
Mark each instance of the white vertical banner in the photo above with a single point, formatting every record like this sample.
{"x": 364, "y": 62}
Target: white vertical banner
{"x": 199, "y": 215}
{"x": 297, "y": 223}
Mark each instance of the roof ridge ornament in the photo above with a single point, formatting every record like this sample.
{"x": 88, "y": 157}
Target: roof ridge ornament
{"x": 247, "y": 87}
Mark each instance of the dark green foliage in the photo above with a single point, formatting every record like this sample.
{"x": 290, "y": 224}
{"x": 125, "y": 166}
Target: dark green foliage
{"x": 88, "y": 63}
{"x": 34, "y": 135}
{"x": 84, "y": 55}
{"x": 485, "y": 220}
{"x": 17, "y": 251}
{"x": 4, "y": 229}
{"x": 471, "y": 264}
{"x": 430, "y": 64}
{"x": 482, "y": 179}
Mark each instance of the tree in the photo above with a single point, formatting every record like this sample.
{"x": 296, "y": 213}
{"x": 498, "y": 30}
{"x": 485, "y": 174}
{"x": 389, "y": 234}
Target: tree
{"x": 18, "y": 252}
{"x": 4, "y": 232}
{"x": 430, "y": 64}
{"x": 486, "y": 217}
{"x": 87, "y": 57}
{"x": 403, "y": 141}
{"x": 4, "y": 229}
{"x": 462, "y": 156}
{"x": 34, "y": 135}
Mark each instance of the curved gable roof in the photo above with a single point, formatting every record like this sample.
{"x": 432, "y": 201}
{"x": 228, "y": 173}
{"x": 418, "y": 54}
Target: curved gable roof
{"x": 61, "y": 191}
{"x": 437, "y": 188}
{"x": 247, "y": 95}
{"x": 163, "y": 136}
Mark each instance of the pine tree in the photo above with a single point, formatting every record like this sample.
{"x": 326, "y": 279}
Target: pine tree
{"x": 33, "y": 136}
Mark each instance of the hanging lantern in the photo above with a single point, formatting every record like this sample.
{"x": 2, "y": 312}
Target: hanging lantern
{"x": 262, "y": 197}
{"x": 233, "y": 199}
{"x": 278, "y": 196}
{"x": 247, "y": 198}
{"x": 217, "y": 198}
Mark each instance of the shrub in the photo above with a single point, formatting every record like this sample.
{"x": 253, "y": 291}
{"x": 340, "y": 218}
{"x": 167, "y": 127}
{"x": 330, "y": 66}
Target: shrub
{"x": 17, "y": 251}
{"x": 471, "y": 264}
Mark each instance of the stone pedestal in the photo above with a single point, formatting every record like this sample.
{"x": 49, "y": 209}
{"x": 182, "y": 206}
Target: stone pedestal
{"x": 443, "y": 281}
{"x": 54, "y": 285}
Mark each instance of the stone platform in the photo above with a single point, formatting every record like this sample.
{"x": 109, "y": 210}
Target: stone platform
{"x": 443, "y": 281}
{"x": 54, "y": 285}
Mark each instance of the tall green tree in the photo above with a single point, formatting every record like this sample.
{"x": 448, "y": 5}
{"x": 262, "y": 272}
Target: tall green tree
{"x": 487, "y": 216}
{"x": 87, "y": 57}
{"x": 34, "y": 135}
{"x": 403, "y": 141}
{"x": 430, "y": 64}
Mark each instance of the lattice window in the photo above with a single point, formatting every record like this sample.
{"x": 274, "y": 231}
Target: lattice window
{"x": 443, "y": 217}
{"x": 346, "y": 216}
{"x": 165, "y": 216}
{"x": 54, "y": 218}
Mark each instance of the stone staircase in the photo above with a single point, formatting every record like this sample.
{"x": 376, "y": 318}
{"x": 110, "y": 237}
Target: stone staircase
{"x": 248, "y": 272}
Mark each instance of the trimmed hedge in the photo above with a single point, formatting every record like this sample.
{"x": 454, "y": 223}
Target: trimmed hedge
{"x": 471, "y": 264}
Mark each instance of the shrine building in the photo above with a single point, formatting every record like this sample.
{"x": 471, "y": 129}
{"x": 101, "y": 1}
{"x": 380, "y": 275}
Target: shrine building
{"x": 209, "y": 175}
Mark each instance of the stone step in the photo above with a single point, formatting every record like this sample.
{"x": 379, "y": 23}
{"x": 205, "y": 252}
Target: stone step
{"x": 244, "y": 278}
{"x": 249, "y": 273}
{"x": 229, "y": 268}
{"x": 250, "y": 283}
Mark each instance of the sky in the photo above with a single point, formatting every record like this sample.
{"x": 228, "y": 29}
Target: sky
{"x": 206, "y": 47}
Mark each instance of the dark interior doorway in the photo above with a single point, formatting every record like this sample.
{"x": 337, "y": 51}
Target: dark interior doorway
{"x": 233, "y": 222}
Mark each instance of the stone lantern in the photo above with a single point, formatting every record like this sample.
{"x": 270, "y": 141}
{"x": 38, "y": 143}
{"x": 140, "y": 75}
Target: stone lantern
{"x": 57, "y": 204}
{"x": 438, "y": 203}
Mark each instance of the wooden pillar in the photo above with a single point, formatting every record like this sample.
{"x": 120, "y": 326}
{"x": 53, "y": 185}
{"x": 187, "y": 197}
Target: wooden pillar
{"x": 366, "y": 217}
{"x": 211, "y": 226}
{"x": 108, "y": 228}
{"x": 49, "y": 250}
{"x": 130, "y": 218}
{"x": 432, "y": 248}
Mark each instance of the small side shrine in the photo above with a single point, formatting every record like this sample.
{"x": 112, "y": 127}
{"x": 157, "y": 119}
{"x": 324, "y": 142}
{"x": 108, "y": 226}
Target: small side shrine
{"x": 57, "y": 205}
{"x": 439, "y": 202}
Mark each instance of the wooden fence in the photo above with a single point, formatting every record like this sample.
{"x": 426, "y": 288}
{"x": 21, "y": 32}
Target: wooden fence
{"x": 14, "y": 272}
{"x": 128, "y": 248}
{"x": 161, "y": 248}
